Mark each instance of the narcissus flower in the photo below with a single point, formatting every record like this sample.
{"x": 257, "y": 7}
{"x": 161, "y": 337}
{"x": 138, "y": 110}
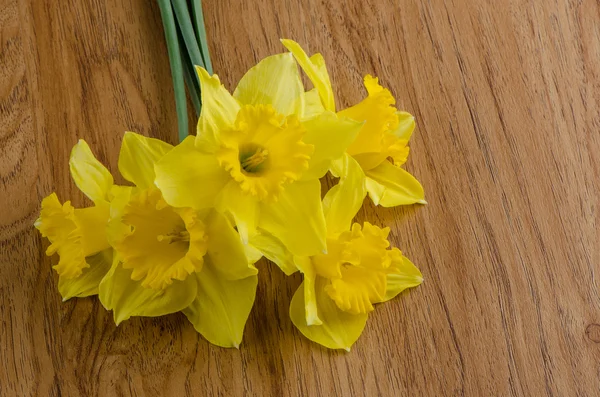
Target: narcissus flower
{"x": 359, "y": 270}
{"x": 78, "y": 235}
{"x": 258, "y": 158}
{"x": 381, "y": 147}
{"x": 170, "y": 259}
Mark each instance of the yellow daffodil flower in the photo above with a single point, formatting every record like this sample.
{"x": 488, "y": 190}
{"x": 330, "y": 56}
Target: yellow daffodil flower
{"x": 78, "y": 235}
{"x": 359, "y": 269}
{"x": 169, "y": 259}
{"x": 381, "y": 147}
{"x": 258, "y": 157}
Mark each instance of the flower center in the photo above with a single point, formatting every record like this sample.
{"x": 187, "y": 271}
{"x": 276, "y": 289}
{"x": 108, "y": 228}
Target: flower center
{"x": 160, "y": 243}
{"x": 264, "y": 151}
{"x": 174, "y": 237}
{"x": 253, "y": 158}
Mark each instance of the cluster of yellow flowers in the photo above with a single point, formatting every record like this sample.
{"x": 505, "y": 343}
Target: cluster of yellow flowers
{"x": 186, "y": 234}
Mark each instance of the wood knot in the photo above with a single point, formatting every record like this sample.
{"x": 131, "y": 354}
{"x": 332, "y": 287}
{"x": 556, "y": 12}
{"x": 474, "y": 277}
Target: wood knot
{"x": 593, "y": 332}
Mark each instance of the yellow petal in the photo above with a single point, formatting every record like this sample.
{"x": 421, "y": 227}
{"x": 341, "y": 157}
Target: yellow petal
{"x": 115, "y": 229}
{"x": 189, "y": 178}
{"x": 275, "y": 251}
{"x": 312, "y": 104}
{"x": 137, "y": 158}
{"x": 222, "y": 306}
{"x": 370, "y": 160}
{"x": 89, "y": 280}
{"x": 225, "y": 249}
{"x": 342, "y": 202}
{"x": 405, "y": 275}
{"x": 310, "y": 300}
{"x": 406, "y": 126}
{"x": 330, "y": 135}
{"x": 339, "y": 329}
{"x": 127, "y": 298}
{"x": 90, "y": 176}
{"x": 296, "y": 218}
{"x": 252, "y": 253}
{"x": 242, "y": 206}
{"x": 315, "y": 69}
{"x": 398, "y": 150}
{"x": 219, "y": 110}
{"x": 273, "y": 81}
{"x": 389, "y": 186}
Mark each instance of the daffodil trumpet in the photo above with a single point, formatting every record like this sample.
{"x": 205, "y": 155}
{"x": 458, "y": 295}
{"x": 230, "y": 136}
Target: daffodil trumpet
{"x": 78, "y": 235}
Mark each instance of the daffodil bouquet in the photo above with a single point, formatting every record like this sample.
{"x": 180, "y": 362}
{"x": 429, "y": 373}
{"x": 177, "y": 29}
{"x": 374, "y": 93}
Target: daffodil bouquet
{"x": 185, "y": 234}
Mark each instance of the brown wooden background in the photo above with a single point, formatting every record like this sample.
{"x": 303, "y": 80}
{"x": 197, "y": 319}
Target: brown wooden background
{"x": 507, "y": 100}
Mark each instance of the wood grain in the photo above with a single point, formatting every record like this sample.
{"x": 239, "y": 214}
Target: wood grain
{"x": 507, "y": 100}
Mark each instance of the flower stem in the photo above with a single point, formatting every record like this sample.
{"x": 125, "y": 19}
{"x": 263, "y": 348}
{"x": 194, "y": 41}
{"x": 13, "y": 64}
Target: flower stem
{"x": 176, "y": 67}
{"x": 201, "y": 33}
{"x": 191, "y": 80}
{"x": 187, "y": 31}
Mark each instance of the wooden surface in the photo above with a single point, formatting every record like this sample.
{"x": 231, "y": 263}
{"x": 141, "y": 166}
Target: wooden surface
{"x": 507, "y": 100}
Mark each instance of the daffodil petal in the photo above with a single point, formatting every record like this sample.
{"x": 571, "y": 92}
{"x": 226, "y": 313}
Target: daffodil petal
{"x": 339, "y": 330}
{"x": 219, "y": 110}
{"x": 330, "y": 135}
{"x": 137, "y": 158}
{"x": 315, "y": 69}
{"x": 342, "y": 202}
{"x": 406, "y": 126}
{"x": 275, "y": 251}
{"x": 296, "y": 218}
{"x": 222, "y": 306}
{"x": 127, "y": 298}
{"x": 252, "y": 253}
{"x": 312, "y": 104}
{"x": 87, "y": 283}
{"x": 273, "y": 81}
{"x": 310, "y": 300}
{"x": 243, "y": 208}
{"x": 189, "y": 178}
{"x": 370, "y": 160}
{"x": 115, "y": 229}
{"x": 405, "y": 275}
{"x": 389, "y": 186}
{"x": 90, "y": 176}
{"x": 226, "y": 250}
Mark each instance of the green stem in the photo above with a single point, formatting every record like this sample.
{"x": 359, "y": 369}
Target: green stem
{"x": 191, "y": 80}
{"x": 187, "y": 31}
{"x": 201, "y": 33}
{"x": 176, "y": 68}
